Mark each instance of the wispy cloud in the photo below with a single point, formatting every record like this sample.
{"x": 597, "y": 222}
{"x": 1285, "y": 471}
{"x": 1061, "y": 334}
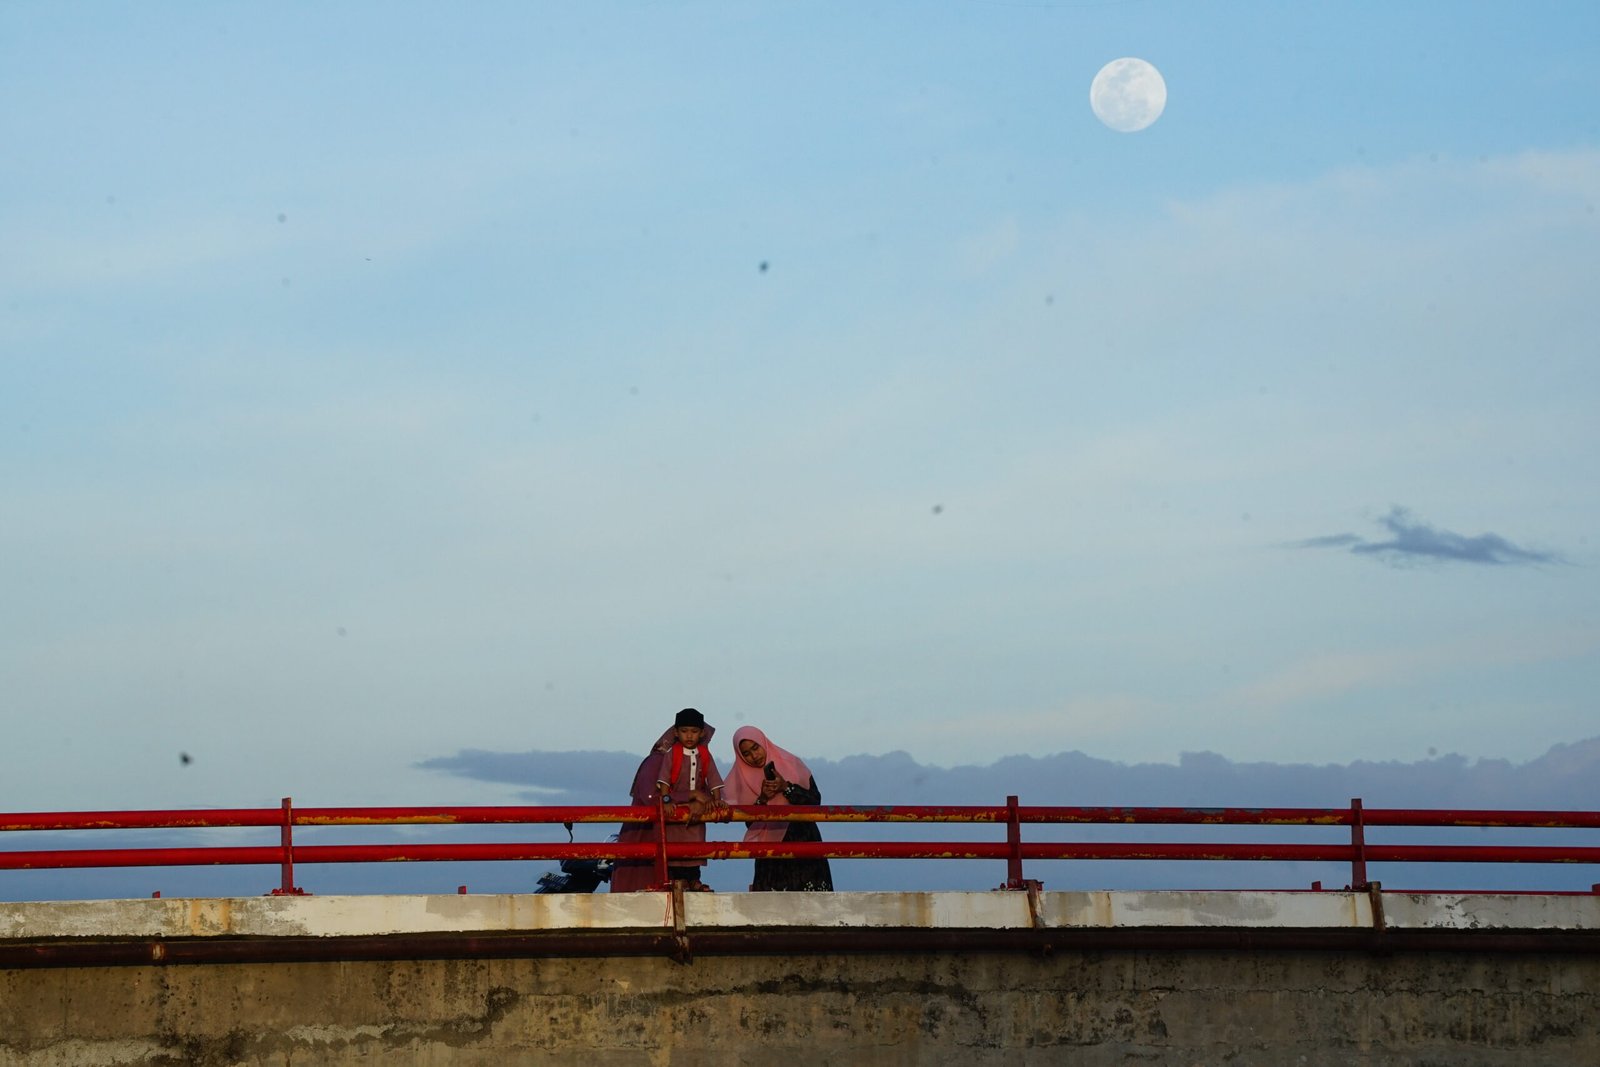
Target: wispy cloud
{"x": 1412, "y": 540}
{"x": 1330, "y": 674}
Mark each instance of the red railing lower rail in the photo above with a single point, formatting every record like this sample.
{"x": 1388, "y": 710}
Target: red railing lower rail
{"x": 1358, "y": 852}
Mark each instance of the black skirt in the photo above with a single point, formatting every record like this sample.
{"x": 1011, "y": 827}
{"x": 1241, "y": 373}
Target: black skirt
{"x": 796, "y": 876}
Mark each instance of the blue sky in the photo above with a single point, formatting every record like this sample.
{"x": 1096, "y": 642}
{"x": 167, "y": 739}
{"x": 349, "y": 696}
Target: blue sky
{"x": 387, "y": 381}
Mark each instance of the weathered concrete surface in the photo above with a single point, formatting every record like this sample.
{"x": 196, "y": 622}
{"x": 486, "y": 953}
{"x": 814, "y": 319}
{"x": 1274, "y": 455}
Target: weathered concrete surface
{"x": 1270, "y": 1009}
{"x": 1170, "y": 1005}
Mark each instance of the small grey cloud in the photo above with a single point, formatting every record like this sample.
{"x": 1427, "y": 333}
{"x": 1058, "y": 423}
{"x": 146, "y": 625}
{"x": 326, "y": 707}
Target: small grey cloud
{"x": 557, "y": 777}
{"x": 1411, "y": 541}
{"x": 1330, "y": 541}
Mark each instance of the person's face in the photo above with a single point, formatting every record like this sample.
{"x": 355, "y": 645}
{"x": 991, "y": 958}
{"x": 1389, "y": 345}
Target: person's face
{"x": 752, "y": 753}
{"x": 689, "y": 736}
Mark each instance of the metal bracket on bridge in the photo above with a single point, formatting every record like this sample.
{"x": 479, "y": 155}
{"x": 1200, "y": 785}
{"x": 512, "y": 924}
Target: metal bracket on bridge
{"x": 680, "y": 927}
{"x": 1380, "y": 925}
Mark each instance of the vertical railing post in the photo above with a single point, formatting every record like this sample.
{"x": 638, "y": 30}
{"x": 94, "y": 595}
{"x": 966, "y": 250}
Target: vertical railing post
{"x": 286, "y": 836}
{"x": 1013, "y": 846}
{"x": 661, "y": 843}
{"x": 1358, "y": 846}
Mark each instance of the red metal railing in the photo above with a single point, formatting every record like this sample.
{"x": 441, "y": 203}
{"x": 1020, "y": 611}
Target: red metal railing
{"x": 1357, "y": 852}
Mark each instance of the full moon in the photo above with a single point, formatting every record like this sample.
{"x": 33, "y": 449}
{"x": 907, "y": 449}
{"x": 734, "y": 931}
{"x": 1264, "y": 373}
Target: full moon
{"x": 1128, "y": 94}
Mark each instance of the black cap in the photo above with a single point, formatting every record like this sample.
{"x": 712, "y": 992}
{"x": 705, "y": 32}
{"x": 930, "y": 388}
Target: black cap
{"x": 690, "y": 717}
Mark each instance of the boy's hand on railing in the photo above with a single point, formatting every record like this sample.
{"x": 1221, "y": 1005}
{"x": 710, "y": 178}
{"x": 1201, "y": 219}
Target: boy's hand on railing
{"x": 703, "y": 808}
{"x": 717, "y": 809}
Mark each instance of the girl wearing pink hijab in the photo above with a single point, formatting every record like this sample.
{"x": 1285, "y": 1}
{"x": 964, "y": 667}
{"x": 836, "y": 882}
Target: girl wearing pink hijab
{"x": 763, "y": 773}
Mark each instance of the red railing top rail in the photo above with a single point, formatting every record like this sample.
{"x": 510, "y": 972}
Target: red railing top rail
{"x": 1033, "y": 814}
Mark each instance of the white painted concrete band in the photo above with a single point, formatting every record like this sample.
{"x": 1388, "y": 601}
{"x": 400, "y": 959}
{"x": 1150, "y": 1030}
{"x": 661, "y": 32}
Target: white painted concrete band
{"x": 346, "y": 916}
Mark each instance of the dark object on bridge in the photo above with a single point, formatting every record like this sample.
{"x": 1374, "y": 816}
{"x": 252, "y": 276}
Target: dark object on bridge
{"x": 577, "y": 876}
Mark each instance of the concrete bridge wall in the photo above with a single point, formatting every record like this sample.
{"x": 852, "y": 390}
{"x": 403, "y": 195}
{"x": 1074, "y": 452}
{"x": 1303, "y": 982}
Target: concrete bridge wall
{"x": 961, "y": 979}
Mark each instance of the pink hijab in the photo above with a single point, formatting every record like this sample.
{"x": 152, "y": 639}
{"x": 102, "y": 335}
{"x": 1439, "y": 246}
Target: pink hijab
{"x": 743, "y": 782}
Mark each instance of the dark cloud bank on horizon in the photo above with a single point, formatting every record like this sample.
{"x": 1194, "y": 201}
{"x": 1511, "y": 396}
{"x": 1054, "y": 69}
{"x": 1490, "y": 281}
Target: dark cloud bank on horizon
{"x": 1563, "y": 779}
{"x": 1411, "y": 541}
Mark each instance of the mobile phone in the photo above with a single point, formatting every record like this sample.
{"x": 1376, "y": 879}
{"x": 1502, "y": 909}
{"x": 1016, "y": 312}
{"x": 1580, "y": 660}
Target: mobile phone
{"x": 772, "y": 772}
